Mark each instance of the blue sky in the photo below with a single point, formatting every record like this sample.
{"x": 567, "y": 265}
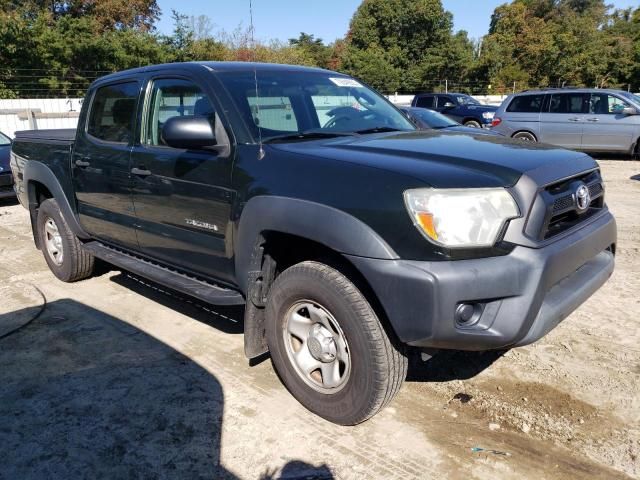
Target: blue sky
{"x": 326, "y": 19}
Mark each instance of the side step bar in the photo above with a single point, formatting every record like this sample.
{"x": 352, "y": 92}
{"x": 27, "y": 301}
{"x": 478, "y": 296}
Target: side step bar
{"x": 207, "y": 292}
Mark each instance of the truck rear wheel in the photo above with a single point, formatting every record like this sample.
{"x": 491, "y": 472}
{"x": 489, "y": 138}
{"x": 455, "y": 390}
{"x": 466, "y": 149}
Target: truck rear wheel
{"x": 328, "y": 345}
{"x": 61, "y": 248}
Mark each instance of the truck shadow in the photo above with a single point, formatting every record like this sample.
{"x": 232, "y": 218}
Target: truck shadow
{"x": 448, "y": 365}
{"x": 86, "y": 395}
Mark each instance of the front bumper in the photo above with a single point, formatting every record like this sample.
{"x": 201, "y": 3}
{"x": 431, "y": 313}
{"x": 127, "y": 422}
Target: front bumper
{"x": 521, "y": 296}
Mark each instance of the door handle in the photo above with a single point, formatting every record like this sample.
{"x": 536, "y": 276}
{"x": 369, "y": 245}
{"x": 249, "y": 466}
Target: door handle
{"x": 82, "y": 163}
{"x": 574, "y": 119}
{"x": 593, "y": 119}
{"x": 141, "y": 172}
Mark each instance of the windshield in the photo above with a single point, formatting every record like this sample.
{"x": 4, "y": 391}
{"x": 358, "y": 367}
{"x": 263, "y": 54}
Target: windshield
{"x": 635, "y": 98}
{"x": 310, "y": 104}
{"x": 467, "y": 100}
{"x": 432, "y": 119}
{"x": 4, "y": 140}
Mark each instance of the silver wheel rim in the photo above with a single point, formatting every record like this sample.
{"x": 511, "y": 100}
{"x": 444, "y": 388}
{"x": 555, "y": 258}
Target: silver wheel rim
{"x": 316, "y": 347}
{"x": 53, "y": 241}
{"x": 525, "y": 137}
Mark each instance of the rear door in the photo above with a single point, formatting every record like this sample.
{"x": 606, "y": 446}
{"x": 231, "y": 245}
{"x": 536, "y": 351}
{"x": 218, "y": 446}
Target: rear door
{"x": 606, "y": 128}
{"x": 100, "y": 163}
{"x": 563, "y": 122}
{"x": 182, "y": 197}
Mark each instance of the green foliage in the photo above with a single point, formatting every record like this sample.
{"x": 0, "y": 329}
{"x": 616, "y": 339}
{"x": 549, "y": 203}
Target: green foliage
{"x": 560, "y": 42}
{"x": 402, "y": 44}
{"x": 57, "y": 47}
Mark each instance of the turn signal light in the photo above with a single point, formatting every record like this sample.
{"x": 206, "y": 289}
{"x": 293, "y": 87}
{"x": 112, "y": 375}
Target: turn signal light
{"x": 496, "y": 121}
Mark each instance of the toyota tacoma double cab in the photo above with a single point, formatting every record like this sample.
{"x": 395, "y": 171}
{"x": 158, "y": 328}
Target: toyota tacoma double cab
{"x": 349, "y": 236}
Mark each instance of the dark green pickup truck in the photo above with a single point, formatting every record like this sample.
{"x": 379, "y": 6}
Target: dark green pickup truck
{"x": 306, "y": 196}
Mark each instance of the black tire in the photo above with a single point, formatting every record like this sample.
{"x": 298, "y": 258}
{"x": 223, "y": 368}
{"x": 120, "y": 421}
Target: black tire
{"x": 472, "y": 124}
{"x": 377, "y": 367}
{"x": 525, "y": 137}
{"x": 76, "y": 263}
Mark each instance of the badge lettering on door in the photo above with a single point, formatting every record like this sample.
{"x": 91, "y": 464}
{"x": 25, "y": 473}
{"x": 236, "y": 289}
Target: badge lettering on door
{"x": 199, "y": 224}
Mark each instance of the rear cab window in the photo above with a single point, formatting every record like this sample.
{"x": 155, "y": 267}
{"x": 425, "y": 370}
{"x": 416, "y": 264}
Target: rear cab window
{"x": 112, "y": 114}
{"x": 526, "y": 104}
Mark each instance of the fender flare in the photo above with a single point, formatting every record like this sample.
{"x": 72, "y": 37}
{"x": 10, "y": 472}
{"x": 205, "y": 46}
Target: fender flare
{"x": 320, "y": 223}
{"x": 38, "y": 172}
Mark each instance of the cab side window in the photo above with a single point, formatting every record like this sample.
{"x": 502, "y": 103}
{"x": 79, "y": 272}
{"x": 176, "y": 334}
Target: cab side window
{"x": 603, "y": 104}
{"x": 442, "y": 101}
{"x": 569, "y": 103}
{"x": 112, "y": 113}
{"x": 425, "y": 102}
{"x": 526, "y": 104}
{"x": 174, "y": 98}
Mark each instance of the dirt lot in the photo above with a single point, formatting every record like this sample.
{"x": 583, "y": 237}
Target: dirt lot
{"x": 116, "y": 378}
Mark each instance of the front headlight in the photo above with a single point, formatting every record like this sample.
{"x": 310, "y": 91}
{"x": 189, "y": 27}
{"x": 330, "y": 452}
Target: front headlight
{"x": 488, "y": 115}
{"x": 461, "y": 218}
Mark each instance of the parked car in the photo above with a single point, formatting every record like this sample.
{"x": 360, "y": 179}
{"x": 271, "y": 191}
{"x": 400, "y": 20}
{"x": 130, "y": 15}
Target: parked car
{"x": 426, "y": 119}
{"x": 6, "y": 177}
{"x": 587, "y": 119}
{"x": 462, "y": 108}
{"x": 347, "y": 234}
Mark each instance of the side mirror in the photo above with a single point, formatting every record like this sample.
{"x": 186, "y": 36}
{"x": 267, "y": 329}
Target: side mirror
{"x": 188, "y": 133}
{"x": 629, "y": 111}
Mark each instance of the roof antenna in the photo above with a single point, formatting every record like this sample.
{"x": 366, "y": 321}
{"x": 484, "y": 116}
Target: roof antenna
{"x": 255, "y": 79}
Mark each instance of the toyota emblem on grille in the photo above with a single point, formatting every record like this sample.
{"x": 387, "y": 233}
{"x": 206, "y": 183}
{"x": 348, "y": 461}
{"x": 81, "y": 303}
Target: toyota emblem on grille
{"x": 583, "y": 198}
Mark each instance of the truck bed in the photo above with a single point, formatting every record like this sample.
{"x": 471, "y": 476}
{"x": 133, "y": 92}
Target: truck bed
{"x": 60, "y": 135}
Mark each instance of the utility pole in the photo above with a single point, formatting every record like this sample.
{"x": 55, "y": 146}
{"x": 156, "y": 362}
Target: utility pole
{"x": 514, "y": 88}
{"x": 446, "y": 86}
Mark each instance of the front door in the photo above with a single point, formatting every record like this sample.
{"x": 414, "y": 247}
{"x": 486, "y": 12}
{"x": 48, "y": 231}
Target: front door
{"x": 563, "y": 123}
{"x": 606, "y": 127}
{"x": 182, "y": 197}
{"x": 100, "y": 164}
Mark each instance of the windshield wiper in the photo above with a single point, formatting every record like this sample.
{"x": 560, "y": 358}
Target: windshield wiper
{"x": 308, "y": 135}
{"x": 378, "y": 130}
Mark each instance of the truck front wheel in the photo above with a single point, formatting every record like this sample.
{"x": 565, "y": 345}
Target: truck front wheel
{"x": 328, "y": 345}
{"x": 61, "y": 248}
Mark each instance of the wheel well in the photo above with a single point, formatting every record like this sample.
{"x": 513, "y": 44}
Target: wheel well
{"x": 281, "y": 251}
{"x": 38, "y": 193}
{"x": 471, "y": 119}
{"x": 525, "y": 131}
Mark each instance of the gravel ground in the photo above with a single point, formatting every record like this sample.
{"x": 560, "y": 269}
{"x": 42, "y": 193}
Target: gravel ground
{"x": 116, "y": 378}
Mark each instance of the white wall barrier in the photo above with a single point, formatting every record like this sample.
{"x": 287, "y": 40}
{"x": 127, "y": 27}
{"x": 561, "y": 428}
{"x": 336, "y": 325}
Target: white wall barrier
{"x": 38, "y": 114}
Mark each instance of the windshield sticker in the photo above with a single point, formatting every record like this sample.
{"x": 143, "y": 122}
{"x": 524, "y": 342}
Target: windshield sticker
{"x": 346, "y": 82}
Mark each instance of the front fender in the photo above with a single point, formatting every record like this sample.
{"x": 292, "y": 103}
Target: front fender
{"x": 320, "y": 223}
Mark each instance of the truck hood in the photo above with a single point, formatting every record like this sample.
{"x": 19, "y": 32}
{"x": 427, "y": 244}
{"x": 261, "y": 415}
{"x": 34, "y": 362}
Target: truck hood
{"x": 449, "y": 159}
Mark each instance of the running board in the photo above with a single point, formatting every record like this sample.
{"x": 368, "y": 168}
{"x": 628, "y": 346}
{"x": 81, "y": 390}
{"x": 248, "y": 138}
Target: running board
{"x": 207, "y": 292}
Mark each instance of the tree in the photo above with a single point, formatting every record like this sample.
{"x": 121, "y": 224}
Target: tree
{"x": 409, "y": 40}
{"x": 313, "y": 48}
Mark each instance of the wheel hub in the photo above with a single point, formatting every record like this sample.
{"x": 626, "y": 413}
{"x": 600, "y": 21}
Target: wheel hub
{"x": 316, "y": 347}
{"x": 321, "y": 344}
{"x": 53, "y": 241}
